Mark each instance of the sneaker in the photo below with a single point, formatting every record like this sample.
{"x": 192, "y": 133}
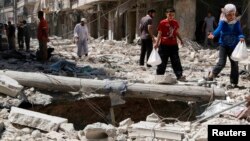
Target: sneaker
{"x": 210, "y": 76}
{"x": 182, "y": 78}
{"x": 234, "y": 86}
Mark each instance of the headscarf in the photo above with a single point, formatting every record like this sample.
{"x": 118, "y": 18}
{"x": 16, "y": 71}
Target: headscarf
{"x": 226, "y": 10}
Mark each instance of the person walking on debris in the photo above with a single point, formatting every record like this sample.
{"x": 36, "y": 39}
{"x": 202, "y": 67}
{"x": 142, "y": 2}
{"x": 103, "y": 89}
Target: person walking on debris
{"x": 81, "y": 38}
{"x": 230, "y": 33}
{"x": 20, "y": 35}
{"x": 42, "y": 36}
{"x": 168, "y": 46}
{"x": 208, "y": 27}
{"x": 26, "y": 30}
{"x": 1, "y": 33}
{"x": 11, "y": 36}
{"x": 147, "y": 37}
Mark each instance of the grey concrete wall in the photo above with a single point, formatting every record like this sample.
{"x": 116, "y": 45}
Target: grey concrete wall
{"x": 185, "y": 14}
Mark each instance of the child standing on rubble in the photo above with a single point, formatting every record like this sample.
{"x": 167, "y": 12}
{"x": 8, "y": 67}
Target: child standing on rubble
{"x": 168, "y": 46}
{"x": 230, "y": 33}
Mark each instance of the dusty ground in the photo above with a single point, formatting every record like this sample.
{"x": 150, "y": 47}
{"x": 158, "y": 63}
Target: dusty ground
{"x": 115, "y": 60}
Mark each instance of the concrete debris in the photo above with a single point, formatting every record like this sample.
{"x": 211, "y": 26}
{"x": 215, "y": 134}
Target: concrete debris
{"x": 8, "y": 102}
{"x": 123, "y": 126}
{"x": 4, "y": 113}
{"x": 157, "y": 130}
{"x": 153, "y": 118}
{"x": 53, "y": 135}
{"x": 99, "y": 131}
{"x": 36, "y": 120}
{"x": 36, "y": 134}
{"x": 121, "y": 137}
{"x": 126, "y": 122}
{"x": 9, "y": 86}
{"x": 219, "y": 105}
{"x": 40, "y": 99}
{"x": 67, "y": 127}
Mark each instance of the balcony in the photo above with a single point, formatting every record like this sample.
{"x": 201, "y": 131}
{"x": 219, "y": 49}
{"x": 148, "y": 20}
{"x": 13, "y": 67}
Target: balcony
{"x": 83, "y": 4}
{"x": 31, "y": 2}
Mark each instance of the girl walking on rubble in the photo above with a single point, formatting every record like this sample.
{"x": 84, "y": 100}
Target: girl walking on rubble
{"x": 230, "y": 33}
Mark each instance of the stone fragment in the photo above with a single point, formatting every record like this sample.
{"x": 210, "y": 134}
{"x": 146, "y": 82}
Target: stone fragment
{"x": 34, "y": 119}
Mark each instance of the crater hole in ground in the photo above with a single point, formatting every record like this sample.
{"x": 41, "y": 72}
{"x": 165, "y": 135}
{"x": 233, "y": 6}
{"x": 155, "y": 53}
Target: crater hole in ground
{"x": 84, "y": 112}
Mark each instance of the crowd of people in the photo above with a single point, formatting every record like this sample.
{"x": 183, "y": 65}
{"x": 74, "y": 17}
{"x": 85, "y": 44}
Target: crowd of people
{"x": 228, "y": 31}
{"x": 24, "y": 34}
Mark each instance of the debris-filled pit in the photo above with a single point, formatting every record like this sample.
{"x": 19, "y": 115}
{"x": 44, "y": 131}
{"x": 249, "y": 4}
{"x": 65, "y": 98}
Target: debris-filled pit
{"x": 88, "y": 111}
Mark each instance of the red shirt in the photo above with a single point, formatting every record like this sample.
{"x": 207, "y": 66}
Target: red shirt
{"x": 169, "y": 32}
{"x": 42, "y": 31}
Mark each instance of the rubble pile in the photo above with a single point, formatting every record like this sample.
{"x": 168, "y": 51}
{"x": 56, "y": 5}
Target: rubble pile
{"x": 114, "y": 60}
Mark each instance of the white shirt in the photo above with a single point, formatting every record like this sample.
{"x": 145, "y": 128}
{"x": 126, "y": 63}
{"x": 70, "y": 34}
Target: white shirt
{"x": 81, "y": 32}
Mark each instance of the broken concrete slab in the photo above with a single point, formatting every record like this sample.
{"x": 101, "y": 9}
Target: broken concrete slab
{"x": 219, "y": 105}
{"x": 9, "y": 86}
{"x": 123, "y": 125}
{"x": 34, "y": 119}
{"x": 126, "y": 122}
{"x": 157, "y": 130}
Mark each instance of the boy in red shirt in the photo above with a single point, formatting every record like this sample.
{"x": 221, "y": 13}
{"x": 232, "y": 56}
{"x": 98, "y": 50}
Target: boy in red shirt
{"x": 168, "y": 46}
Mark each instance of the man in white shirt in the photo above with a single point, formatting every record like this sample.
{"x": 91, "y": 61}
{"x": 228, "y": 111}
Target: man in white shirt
{"x": 81, "y": 38}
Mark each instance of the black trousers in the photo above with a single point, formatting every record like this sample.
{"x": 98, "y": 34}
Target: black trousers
{"x": 225, "y": 52}
{"x": 146, "y": 48}
{"x": 27, "y": 43}
{"x": 20, "y": 42}
{"x": 171, "y": 52}
{"x": 0, "y": 42}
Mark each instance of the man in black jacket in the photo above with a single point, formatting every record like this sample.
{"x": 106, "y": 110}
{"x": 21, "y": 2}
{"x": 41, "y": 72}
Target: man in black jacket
{"x": 11, "y": 36}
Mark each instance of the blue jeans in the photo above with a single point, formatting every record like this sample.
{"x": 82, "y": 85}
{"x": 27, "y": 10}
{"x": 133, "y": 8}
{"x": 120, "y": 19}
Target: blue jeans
{"x": 225, "y": 52}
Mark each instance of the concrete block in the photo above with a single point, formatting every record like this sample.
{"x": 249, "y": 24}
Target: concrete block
{"x": 34, "y": 119}
{"x": 127, "y": 122}
{"x": 67, "y": 127}
{"x": 9, "y": 86}
{"x": 166, "y": 132}
{"x": 99, "y": 131}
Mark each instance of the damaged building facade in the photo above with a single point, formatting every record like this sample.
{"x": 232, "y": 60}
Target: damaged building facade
{"x": 119, "y": 19}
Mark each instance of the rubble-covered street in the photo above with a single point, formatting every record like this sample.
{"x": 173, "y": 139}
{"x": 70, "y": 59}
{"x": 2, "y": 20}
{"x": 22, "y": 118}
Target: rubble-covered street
{"x": 115, "y": 60}
{"x": 124, "y": 70}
